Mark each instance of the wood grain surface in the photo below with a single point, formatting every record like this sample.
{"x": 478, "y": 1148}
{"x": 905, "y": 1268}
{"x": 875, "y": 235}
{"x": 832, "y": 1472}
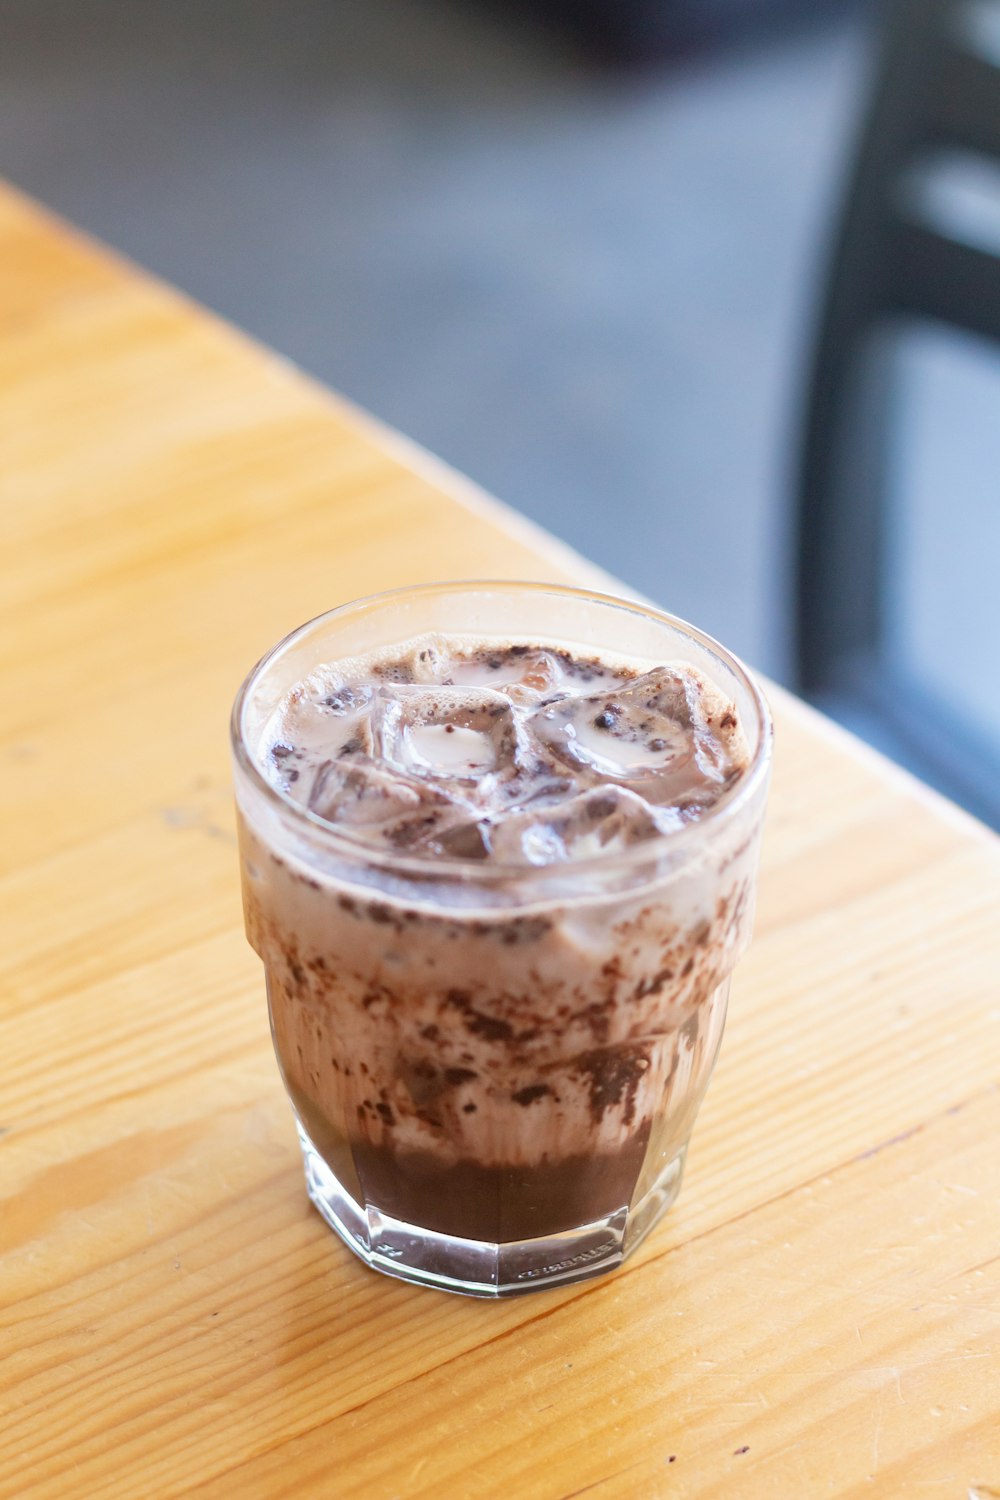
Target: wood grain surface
{"x": 818, "y": 1316}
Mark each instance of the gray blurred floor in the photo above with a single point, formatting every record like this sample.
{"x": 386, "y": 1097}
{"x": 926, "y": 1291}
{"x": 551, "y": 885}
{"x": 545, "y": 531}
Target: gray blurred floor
{"x": 587, "y": 292}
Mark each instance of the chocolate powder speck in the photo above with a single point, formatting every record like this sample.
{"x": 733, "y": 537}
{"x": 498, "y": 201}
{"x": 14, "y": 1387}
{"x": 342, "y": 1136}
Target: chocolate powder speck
{"x": 454, "y": 1077}
{"x": 490, "y": 1028}
{"x": 531, "y": 929}
{"x": 651, "y": 986}
{"x": 376, "y": 994}
{"x": 341, "y": 701}
{"x": 530, "y": 1093}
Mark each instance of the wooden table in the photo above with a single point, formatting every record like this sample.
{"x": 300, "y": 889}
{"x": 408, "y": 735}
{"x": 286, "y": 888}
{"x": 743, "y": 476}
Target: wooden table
{"x": 820, "y": 1313}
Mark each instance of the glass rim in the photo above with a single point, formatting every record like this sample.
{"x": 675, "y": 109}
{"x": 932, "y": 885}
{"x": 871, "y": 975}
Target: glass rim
{"x": 487, "y": 871}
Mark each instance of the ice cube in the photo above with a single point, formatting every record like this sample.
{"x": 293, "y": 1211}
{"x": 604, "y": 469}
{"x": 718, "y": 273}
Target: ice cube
{"x": 323, "y": 718}
{"x": 326, "y": 714}
{"x": 339, "y": 699}
{"x": 525, "y": 673}
{"x": 603, "y": 820}
{"x": 530, "y": 676}
{"x": 426, "y": 660}
{"x": 458, "y": 837}
{"x": 381, "y": 805}
{"x": 447, "y": 733}
{"x": 654, "y": 732}
{"x": 357, "y": 792}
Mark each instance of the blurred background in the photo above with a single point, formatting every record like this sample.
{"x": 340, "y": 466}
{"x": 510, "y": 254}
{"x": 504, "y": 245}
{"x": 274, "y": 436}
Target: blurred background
{"x": 634, "y": 265}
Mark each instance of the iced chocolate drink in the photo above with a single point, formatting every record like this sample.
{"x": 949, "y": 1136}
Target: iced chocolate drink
{"x": 499, "y": 850}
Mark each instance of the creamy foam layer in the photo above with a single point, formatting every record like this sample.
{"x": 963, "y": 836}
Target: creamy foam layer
{"x": 515, "y": 753}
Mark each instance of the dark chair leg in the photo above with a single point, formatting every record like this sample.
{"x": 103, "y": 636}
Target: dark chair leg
{"x": 843, "y": 479}
{"x": 838, "y": 538}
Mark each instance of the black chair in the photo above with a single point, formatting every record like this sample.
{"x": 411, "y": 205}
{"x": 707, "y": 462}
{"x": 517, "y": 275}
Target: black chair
{"x": 647, "y": 31}
{"x": 900, "y": 256}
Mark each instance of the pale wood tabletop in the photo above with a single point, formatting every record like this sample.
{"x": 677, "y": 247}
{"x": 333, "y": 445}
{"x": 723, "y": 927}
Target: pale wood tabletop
{"x": 820, "y": 1313}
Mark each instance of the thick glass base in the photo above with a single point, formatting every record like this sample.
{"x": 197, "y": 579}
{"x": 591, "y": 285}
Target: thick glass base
{"x": 477, "y": 1268}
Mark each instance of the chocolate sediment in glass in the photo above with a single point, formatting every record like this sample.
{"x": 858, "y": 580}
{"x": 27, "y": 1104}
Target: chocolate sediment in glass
{"x": 498, "y": 1076}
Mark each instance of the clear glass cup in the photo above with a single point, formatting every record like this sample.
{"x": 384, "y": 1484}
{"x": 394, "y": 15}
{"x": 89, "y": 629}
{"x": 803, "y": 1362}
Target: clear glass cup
{"x": 495, "y": 1070}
